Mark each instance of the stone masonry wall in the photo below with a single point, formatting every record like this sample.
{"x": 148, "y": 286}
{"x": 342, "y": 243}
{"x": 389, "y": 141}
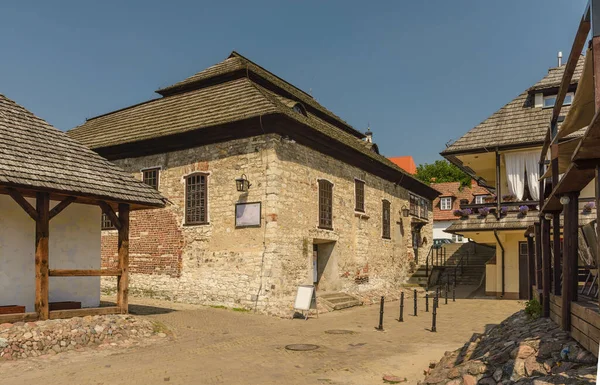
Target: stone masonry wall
{"x": 359, "y": 252}
{"x": 260, "y": 268}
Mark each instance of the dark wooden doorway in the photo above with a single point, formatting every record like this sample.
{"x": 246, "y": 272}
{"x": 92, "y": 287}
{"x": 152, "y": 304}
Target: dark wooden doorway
{"x": 523, "y": 271}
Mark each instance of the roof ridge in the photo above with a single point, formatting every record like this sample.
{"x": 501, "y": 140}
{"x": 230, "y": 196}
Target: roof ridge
{"x": 244, "y": 58}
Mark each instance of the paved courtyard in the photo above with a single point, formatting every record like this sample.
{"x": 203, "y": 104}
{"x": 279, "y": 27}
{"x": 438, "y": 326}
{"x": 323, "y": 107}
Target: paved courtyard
{"x": 222, "y": 346}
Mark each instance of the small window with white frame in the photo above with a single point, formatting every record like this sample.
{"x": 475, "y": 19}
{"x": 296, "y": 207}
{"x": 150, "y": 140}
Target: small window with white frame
{"x": 446, "y": 203}
{"x": 550, "y": 100}
{"x": 480, "y": 199}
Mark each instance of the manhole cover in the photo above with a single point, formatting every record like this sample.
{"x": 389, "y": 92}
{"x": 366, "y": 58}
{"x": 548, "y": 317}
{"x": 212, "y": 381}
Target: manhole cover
{"x": 302, "y": 347}
{"x": 339, "y": 331}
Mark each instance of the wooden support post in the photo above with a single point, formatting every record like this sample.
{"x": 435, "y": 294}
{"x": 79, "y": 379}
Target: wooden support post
{"x": 538, "y": 256}
{"x": 557, "y": 253}
{"x": 570, "y": 257}
{"x": 598, "y": 214}
{"x": 42, "y": 226}
{"x": 531, "y": 264}
{"x": 123, "y": 280}
{"x": 498, "y": 185}
{"x": 545, "y": 235}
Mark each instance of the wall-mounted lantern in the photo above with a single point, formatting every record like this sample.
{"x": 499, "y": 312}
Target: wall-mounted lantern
{"x": 242, "y": 183}
{"x": 405, "y": 211}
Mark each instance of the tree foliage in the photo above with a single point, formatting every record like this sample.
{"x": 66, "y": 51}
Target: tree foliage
{"x": 442, "y": 171}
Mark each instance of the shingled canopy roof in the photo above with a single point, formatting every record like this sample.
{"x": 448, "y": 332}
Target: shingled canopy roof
{"x": 518, "y": 122}
{"x": 38, "y": 157}
{"x": 206, "y": 105}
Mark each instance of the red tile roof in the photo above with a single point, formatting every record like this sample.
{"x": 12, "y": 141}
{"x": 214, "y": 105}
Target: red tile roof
{"x": 406, "y": 163}
{"x": 452, "y": 189}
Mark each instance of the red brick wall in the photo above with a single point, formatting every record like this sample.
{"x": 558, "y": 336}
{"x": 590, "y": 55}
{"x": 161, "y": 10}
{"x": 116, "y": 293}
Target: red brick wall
{"x": 155, "y": 244}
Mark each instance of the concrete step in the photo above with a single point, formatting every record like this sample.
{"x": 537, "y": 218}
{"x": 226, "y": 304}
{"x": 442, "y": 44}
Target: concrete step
{"x": 337, "y": 301}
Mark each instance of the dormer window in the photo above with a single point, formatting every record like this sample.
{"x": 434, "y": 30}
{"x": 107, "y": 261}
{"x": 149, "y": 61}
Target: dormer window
{"x": 446, "y": 203}
{"x": 550, "y": 100}
{"x": 299, "y": 108}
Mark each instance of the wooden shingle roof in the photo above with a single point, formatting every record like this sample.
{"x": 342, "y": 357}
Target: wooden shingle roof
{"x": 237, "y": 63}
{"x": 35, "y": 155}
{"x": 217, "y": 97}
{"x": 517, "y": 123}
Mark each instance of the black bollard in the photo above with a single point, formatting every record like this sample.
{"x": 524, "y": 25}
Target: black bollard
{"x": 401, "y": 318}
{"x": 426, "y": 302}
{"x": 435, "y": 301}
{"x": 380, "y": 327}
{"x": 415, "y": 296}
{"x": 453, "y": 293}
{"x": 446, "y": 295}
{"x": 433, "y": 319}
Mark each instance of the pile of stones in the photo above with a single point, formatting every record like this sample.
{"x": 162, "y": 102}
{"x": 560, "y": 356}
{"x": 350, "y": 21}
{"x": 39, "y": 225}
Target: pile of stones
{"x": 33, "y": 339}
{"x": 518, "y": 351}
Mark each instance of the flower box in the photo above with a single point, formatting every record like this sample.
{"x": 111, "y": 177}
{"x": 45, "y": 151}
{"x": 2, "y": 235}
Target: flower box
{"x": 12, "y": 309}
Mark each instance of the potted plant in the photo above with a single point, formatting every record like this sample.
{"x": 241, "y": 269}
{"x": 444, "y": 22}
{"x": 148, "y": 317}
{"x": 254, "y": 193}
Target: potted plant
{"x": 490, "y": 199}
{"x": 588, "y": 207}
{"x": 457, "y": 213}
{"x": 509, "y": 198}
{"x": 503, "y": 210}
{"x": 484, "y": 211}
{"x": 466, "y": 212}
{"x": 523, "y": 210}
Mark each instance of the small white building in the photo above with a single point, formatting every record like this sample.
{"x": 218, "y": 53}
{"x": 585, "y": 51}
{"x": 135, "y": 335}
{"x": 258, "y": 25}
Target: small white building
{"x": 53, "y": 191}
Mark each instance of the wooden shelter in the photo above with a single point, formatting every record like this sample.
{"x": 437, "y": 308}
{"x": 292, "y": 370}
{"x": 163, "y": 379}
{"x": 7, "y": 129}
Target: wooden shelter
{"x": 555, "y": 280}
{"x": 41, "y": 164}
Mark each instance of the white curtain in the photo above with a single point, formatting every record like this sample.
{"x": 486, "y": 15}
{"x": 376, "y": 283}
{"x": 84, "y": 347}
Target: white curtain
{"x": 532, "y": 160}
{"x": 515, "y": 173}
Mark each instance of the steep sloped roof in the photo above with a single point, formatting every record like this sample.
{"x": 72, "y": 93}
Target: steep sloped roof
{"x": 236, "y": 63}
{"x": 518, "y": 122}
{"x": 229, "y": 100}
{"x": 35, "y": 155}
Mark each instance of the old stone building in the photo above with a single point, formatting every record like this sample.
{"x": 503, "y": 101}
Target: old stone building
{"x": 268, "y": 189}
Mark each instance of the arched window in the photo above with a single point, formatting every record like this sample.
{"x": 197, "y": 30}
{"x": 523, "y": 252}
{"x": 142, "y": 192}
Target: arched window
{"x": 325, "y": 204}
{"x": 386, "y": 220}
{"x": 196, "y": 199}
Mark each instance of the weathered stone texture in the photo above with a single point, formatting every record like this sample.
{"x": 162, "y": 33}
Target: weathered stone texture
{"x": 261, "y": 267}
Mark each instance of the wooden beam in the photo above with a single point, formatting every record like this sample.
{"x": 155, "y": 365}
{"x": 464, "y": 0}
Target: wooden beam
{"x": 557, "y": 253}
{"x": 531, "y": 264}
{"x": 106, "y": 209}
{"x": 123, "y": 279}
{"x": 538, "y": 256}
{"x": 85, "y": 273}
{"x": 55, "y": 314}
{"x": 596, "y": 66}
{"x": 42, "y": 227}
{"x": 21, "y": 201}
{"x": 570, "y": 258}
{"x": 545, "y": 235}
{"x": 576, "y": 48}
{"x": 19, "y": 317}
{"x": 598, "y": 215}
{"x": 498, "y": 185}
{"x": 61, "y": 206}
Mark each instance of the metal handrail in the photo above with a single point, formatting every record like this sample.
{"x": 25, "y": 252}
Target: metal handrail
{"x": 460, "y": 265}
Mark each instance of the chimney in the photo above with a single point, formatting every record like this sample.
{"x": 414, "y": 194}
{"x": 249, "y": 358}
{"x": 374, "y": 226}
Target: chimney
{"x": 369, "y": 135}
{"x": 559, "y": 58}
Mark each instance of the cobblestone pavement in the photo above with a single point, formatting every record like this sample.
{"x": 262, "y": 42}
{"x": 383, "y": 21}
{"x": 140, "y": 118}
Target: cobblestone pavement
{"x": 221, "y": 346}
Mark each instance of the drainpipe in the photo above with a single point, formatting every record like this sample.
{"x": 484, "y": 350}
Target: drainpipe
{"x": 502, "y": 248}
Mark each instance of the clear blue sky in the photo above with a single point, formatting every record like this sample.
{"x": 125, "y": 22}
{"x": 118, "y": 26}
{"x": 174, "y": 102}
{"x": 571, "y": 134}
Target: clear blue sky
{"x": 420, "y": 72}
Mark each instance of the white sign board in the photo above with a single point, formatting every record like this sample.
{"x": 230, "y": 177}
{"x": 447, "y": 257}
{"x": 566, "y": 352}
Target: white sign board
{"x": 247, "y": 214}
{"x": 305, "y": 298}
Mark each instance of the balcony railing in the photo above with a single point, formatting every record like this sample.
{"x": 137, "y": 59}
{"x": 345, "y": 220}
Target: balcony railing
{"x": 586, "y": 206}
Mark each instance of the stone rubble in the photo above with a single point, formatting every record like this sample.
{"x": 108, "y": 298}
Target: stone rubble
{"x": 518, "y": 351}
{"x": 33, "y": 339}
